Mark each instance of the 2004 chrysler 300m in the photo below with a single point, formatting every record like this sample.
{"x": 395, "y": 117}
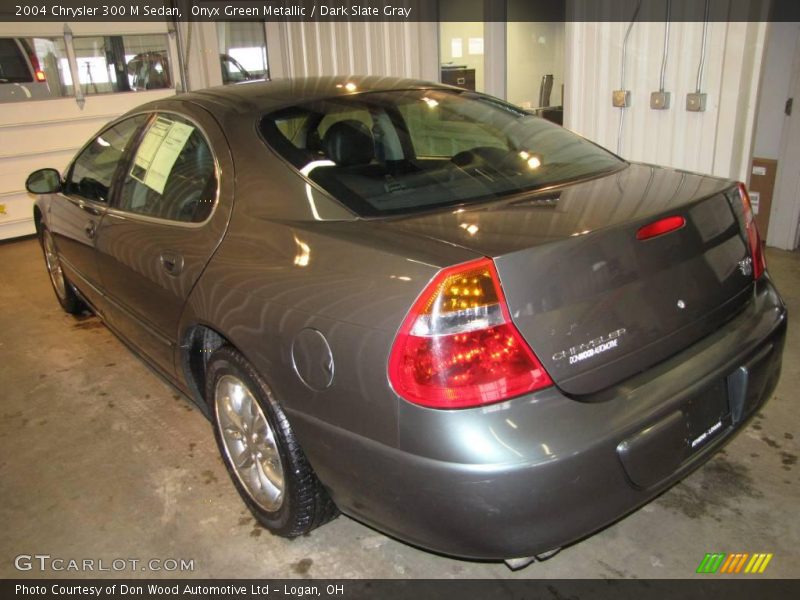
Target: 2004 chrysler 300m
{"x": 446, "y": 317}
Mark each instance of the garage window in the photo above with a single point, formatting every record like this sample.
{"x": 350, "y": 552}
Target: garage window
{"x": 121, "y": 63}
{"x": 39, "y": 68}
{"x": 173, "y": 175}
{"x": 242, "y": 51}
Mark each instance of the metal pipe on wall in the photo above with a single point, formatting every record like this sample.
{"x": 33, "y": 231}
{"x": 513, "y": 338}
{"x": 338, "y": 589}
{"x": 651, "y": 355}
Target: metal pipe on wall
{"x": 622, "y": 73}
{"x": 701, "y": 66}
{"x": 665, "y": 52}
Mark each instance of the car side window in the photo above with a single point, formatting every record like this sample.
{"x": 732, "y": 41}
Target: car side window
{"x": 93, "y": 170}
{"x": 172, "y": 175}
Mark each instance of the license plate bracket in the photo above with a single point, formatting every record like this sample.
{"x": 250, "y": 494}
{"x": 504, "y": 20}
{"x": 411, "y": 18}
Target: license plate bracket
{"x": 707, "y": 414}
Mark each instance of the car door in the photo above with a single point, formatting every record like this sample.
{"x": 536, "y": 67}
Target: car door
{"x": 166, "y": 220}
{"x": 75, "y": 214}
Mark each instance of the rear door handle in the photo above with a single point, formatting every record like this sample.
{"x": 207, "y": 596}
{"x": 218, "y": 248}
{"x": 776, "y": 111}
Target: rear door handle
{"x": 172, "y": 262}
{"x": 90, "y": 229}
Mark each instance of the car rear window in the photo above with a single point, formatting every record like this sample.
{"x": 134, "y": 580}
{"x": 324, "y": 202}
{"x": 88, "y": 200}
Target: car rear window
{"x": 396, "y": 152}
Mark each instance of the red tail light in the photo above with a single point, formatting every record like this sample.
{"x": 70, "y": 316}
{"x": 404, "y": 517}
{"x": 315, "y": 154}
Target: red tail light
{"x": 37, "y": 70}
{"x": 660, "y": 227}
{"x": 458, "y": 347}
{"x": 753, "y": 239}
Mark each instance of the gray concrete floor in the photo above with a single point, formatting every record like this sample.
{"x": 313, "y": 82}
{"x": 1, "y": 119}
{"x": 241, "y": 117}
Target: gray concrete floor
{"x": 100, "y": 459}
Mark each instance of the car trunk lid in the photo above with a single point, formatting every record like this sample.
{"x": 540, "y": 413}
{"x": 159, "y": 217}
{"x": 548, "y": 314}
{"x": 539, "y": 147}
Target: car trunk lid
{"x": 595, "y": 303}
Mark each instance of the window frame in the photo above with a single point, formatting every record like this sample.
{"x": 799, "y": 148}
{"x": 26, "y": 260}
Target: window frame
{"x": 112, "y": 187}
{"x": 130, "y": 154}
{"x": 76, "y": 76}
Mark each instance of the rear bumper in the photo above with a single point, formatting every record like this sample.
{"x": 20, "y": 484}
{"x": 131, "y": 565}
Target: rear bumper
{"x": 536, "y": 473}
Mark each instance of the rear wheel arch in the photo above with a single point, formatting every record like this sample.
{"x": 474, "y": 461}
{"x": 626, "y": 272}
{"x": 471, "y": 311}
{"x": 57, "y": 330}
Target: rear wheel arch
{"x": 259, "y": 444}
{"x": 205, "y": 352}
{"x": 198, "y": 343}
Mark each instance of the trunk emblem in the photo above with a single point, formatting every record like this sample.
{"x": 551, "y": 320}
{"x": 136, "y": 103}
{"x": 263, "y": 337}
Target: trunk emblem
{"x": 681, "y": 304}
{"x": 746, "y": 266}
{"x": 591, "y": 348}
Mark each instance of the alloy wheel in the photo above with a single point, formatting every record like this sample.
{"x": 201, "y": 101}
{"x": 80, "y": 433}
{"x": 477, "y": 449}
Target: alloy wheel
{"x": 54, "y": 266}
{"x": 249, "y": 442}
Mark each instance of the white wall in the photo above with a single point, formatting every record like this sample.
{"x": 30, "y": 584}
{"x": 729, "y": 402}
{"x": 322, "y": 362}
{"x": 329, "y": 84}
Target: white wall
{"x": 200, "y": 53}
{"x": 47, "y": 133}
{"x": 770, "y": 121}
{"x": 718, "y": 141}
{"x": 400, "y": 49}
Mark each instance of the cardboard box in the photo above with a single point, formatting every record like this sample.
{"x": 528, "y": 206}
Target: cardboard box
{"x": 762, "y": 183}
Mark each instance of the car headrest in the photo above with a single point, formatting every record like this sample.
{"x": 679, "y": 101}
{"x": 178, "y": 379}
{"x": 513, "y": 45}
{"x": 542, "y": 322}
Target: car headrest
{"x": 349, "y": 142}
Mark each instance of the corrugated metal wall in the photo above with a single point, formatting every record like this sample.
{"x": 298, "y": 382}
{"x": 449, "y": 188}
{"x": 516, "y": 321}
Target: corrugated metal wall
{"x": 717, "y": 141}
{"x": 394, "y": 49}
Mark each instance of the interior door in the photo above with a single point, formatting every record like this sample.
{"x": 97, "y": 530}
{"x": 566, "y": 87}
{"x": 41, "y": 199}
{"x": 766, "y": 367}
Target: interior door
{"x": 784, "y": 220}
{"x": 76, "y": 213}
{"x": 165, "y": 222}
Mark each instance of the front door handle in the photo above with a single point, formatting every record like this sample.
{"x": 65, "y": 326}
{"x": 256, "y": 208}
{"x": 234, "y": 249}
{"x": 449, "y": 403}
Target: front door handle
{"x": 172, "y": 262}
{"x": 90, "y": 229}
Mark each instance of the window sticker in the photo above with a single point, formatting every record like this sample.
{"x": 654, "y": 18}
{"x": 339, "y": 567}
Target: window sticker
{"x": 159, "y": 150}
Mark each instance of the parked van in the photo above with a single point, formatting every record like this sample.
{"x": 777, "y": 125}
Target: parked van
{"x": 22, "y": 75}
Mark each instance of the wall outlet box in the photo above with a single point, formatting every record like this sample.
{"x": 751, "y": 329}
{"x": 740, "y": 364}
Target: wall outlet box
{"x": 659, "y": 100}
{"x": 695, "y": 102}
{"x": 621, "y": 98}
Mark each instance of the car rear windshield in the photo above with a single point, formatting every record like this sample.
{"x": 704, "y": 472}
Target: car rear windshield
{"x": 395, "y": 152}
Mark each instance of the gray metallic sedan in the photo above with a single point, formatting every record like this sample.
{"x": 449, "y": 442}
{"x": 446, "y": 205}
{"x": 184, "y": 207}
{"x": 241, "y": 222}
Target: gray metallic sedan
{"x": 422, "y": 306}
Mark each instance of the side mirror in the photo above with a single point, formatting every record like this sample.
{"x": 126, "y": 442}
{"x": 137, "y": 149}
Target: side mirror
{"x": 43, "y": 181}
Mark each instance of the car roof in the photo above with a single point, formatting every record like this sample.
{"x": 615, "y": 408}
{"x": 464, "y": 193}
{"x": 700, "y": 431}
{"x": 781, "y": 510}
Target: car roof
{"x": 264, "y": 96}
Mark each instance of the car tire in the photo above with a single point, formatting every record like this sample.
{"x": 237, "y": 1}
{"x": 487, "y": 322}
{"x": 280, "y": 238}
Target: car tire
{"x": 62, "y": 287}
{"x": 262, "y": 455}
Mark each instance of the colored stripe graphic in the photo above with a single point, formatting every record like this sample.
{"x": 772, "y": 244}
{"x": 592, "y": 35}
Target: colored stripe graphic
{"x": 727, "y": 564}
{"x": 758, "y": 563}
{"x": 711, "y": 563}
{"x": 734, "y": 563}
